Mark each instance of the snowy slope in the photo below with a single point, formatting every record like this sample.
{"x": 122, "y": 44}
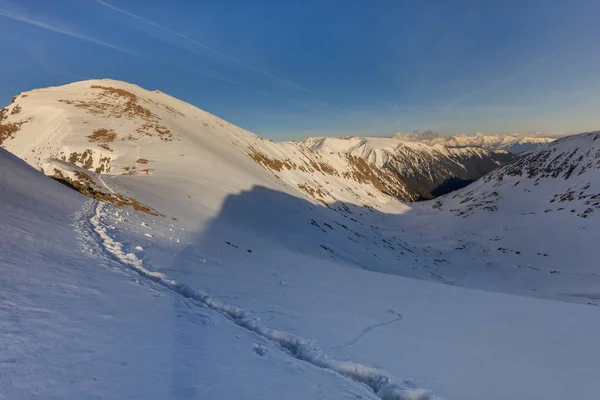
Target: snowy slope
{"x": 234, "y": 282}
{"x": 103, "y": 302}
{"x": 199, "y": 164}
{"x": 114, "y": 127}
{"x": 76, "y": 324}
{"x": 562, "y": 177}
{"x": 418, "y": 166}
{"x": 118, "y": 128}
{"x": 540, "y": 212}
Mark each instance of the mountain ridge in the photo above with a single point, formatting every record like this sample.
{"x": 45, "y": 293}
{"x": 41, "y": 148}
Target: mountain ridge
{"x": 102, "y": 125}
{"x": 512, "y": 143}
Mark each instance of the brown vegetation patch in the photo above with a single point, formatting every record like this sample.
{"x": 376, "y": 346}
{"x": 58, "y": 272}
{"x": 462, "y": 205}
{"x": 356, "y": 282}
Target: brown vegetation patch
{"x": 324, "y": 167}
{"x": 162, "y": 131}
{"x": 311, "y": 191}
{"x": 131, "y": 107}
{"x": 83, "y": 177}
{"x": 103, "y": 135}
{"x": 118, "y": 92}
{"x": 363, "y": 173}
{"x": 84, "y": 184}
{"x": 85, "y": 160}
{"x": 104, "y": 165}
{"x": 142, "y": 161}
{"x": 8, "y": 129}
{"x": 313, "y": 165}
{"x": 269, "y": 163}
{"x": 105, "y": 146}
{"x": 16, "y": 109}
{"x": 118, "y": 103}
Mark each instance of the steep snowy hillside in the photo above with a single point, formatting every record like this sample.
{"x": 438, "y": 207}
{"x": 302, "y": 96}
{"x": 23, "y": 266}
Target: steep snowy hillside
{"x": 258, "y": 294}
{"x": 77, "y": 324}
{"x": 561, "y": 177}
{"x": 512, "y": 144}
{"x": 117, "y": 128}
{"x": 538, "y": 213}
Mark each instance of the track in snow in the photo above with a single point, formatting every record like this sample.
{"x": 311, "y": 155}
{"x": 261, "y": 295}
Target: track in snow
{"x": 382, "y": 383}
{"x": 104, "y": 184}
{"x": 358, "y": 338}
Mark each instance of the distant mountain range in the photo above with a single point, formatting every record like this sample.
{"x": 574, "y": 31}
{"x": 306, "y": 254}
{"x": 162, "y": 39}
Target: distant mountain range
{"x": 512, "y": 143}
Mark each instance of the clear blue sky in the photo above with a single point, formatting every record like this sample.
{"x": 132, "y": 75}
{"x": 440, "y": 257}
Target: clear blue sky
{"x": 288, "y": 69}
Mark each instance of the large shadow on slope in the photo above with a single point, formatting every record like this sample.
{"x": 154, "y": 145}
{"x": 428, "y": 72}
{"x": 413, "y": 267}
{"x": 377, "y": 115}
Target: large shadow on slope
{"x": 262, "y": 224}
{"x": 262, "y": 231}
{"x": 263, "y": 235}
{"x": 449, "y": 185}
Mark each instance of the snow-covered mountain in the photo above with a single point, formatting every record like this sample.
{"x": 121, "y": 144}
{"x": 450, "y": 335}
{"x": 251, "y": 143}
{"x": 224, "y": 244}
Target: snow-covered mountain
{"x": 422, "y": 168}
{"x": 545, "y": 203}
{"x": 113, "y": 127}
{"x": 561, "y": 177}
{"x": 105, "y": 302}
{"x": 221, "y": 274}
{"x": 514, "y": 144}
{"x": 100, "y": 136}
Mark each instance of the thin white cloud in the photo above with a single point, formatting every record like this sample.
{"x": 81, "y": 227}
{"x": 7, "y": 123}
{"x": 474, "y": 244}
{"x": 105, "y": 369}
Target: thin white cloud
{"x": 62, "y": 30}
{"x": 262, "y": 91}
{"x": 204, "y": 46}
{"x": 66, "y": 32}
{"x": 519, "y": 72}
{"x": 47, "y": 70}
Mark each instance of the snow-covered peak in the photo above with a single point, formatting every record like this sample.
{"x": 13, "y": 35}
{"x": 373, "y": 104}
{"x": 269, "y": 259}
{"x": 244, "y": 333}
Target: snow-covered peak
{"x": 513, "y": 144}
{"x": 117, "y": 128}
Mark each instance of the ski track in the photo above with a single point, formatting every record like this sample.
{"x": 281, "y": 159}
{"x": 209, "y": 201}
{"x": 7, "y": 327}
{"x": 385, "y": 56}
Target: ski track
{"x": 382, "y": 383}
{"x": 104, "y": 184}
{"x": 358, "y": 338}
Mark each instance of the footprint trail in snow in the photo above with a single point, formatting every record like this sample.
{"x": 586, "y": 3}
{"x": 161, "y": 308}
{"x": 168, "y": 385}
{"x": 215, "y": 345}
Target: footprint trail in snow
{"x": 358, "y": 338}
{"x": 382, "y": 383}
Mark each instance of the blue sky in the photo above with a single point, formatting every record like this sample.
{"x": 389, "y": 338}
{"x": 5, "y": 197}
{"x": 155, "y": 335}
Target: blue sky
{"x": 289, "y": 69}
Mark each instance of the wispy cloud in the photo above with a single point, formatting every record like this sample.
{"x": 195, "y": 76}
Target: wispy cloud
{"x": 517, "y": 73}
{"x": 47, "y": 70}
{"x": 41, "y": 25}
{"x": 61, "y": 29}
{"x": 304, "y": 104}
{"x": 205, "y": 47}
